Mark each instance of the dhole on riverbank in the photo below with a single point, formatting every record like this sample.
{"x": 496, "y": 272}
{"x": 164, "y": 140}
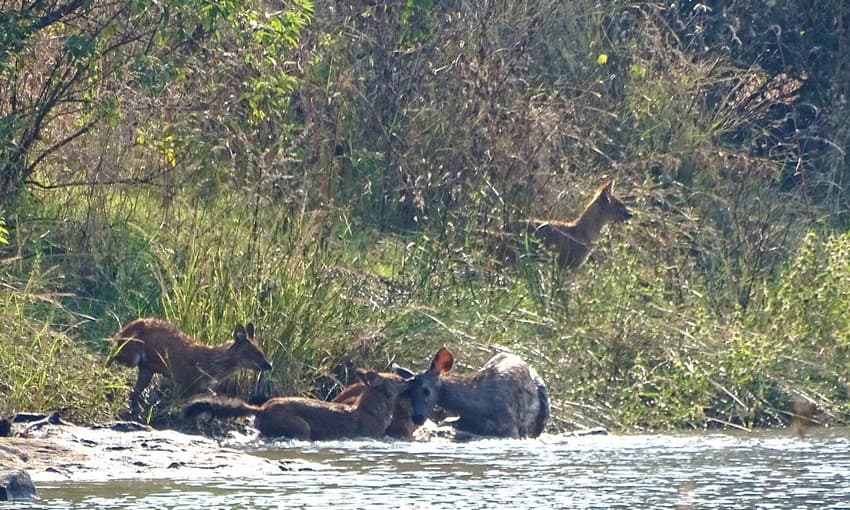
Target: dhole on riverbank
{"x": 311, "y": 419}
{"x": 572, "y": 241}
{"x": 155, "y": 346}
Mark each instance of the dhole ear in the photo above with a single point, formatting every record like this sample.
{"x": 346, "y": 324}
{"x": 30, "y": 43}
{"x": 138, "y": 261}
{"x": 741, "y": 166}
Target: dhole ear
{"x": 442, "y": 361}
{"x": 239, "y": 334}
{"x": 402, "y": 372}
{"x": 367, "y": 377}
{"x": 249, "y": 328}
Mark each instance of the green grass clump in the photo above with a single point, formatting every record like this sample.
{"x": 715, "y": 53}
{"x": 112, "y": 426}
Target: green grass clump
{"x": 46, "y": 364}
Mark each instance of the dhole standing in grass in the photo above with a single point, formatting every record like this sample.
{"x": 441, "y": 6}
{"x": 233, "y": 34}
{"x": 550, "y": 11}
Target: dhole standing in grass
{"x": 571, "y": 241}
{"x": 155, "y": 346}
{"x": 402, "y": 425}
{"x": 311, "y": 419}
{"x": 504, "y": 398}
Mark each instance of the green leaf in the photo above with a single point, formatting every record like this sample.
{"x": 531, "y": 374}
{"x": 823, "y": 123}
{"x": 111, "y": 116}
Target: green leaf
{"x": 4, "y": 233}
{"x": 80, "y": 46}
{"x": 637, "y": 71}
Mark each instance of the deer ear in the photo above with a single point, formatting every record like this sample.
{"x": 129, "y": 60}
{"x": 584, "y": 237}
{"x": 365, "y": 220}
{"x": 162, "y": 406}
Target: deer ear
{"x": 442, "y": 361}
{"x": 249, "y": 328}
{"x": 239, "y": 334}
{"x": 608, "y": 187}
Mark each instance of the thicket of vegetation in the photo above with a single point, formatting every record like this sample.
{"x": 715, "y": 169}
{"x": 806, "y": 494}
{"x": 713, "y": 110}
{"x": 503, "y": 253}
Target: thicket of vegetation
{"x": 327, "y": 171}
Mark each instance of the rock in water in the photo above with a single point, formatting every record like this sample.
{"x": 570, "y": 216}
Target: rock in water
{"x": 16, "y": 486}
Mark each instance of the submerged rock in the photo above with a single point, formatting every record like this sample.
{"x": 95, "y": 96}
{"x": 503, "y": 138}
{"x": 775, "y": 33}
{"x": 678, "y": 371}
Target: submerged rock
{"x": 16, "y": 486}
{"x": 594, "y": 431}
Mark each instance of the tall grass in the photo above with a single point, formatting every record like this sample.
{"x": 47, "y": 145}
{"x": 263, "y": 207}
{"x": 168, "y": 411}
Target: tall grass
{"x": 282, "y": 279}
{"x": 618, "y": 346}
{"x": 209, "y": 272}
{"x": 46, "y": 364}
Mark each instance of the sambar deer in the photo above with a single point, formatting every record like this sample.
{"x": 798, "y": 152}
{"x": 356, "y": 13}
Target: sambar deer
{"x": 504, "y": 398}
{"x": 402, "y": 425}
{"x": 155, "y": 346}
{"x": 572, "y": 241}
{"x": 311, "y": 419}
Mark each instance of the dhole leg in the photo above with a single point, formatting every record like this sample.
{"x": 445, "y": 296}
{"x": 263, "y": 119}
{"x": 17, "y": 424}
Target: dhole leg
{"x": 299, "y": 429}
{"x": 144, "y": 379}
{"x": 293, "y": 427}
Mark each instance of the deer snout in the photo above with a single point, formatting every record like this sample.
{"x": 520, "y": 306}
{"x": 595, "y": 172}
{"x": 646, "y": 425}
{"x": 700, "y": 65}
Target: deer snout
{"x": 264, "y": 365}
{"x": 418, "y": 419}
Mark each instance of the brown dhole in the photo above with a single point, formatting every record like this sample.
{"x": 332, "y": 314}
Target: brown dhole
{"x": 401, "y": 426}
{"x": 155, "y": 346}
{"x": 574, "y": 240}
{"x": 311, "y": 419}
{"x": 504, "y": 398}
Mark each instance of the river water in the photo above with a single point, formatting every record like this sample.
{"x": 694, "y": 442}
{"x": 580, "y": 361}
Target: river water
{"x": 764, "y": 469}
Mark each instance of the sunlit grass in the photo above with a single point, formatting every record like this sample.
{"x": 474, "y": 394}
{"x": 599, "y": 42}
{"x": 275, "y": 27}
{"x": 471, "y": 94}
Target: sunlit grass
{"x": 616, "y": 347}
{"x": 46, "y": 364}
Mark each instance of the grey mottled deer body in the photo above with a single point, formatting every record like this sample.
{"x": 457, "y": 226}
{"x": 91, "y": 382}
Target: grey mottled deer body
{"x": 504, "y": 398}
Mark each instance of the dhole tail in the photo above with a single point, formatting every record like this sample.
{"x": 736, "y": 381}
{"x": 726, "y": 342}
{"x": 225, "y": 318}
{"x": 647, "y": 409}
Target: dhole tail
{"x": 219, "y": 408}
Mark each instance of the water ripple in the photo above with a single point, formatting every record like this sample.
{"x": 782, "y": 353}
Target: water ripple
{"x": 763, "y": 470}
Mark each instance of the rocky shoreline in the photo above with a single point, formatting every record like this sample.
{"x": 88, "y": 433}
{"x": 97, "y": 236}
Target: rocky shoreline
{"x": 63, "y": 452}
{"x": 50, "y": 450}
